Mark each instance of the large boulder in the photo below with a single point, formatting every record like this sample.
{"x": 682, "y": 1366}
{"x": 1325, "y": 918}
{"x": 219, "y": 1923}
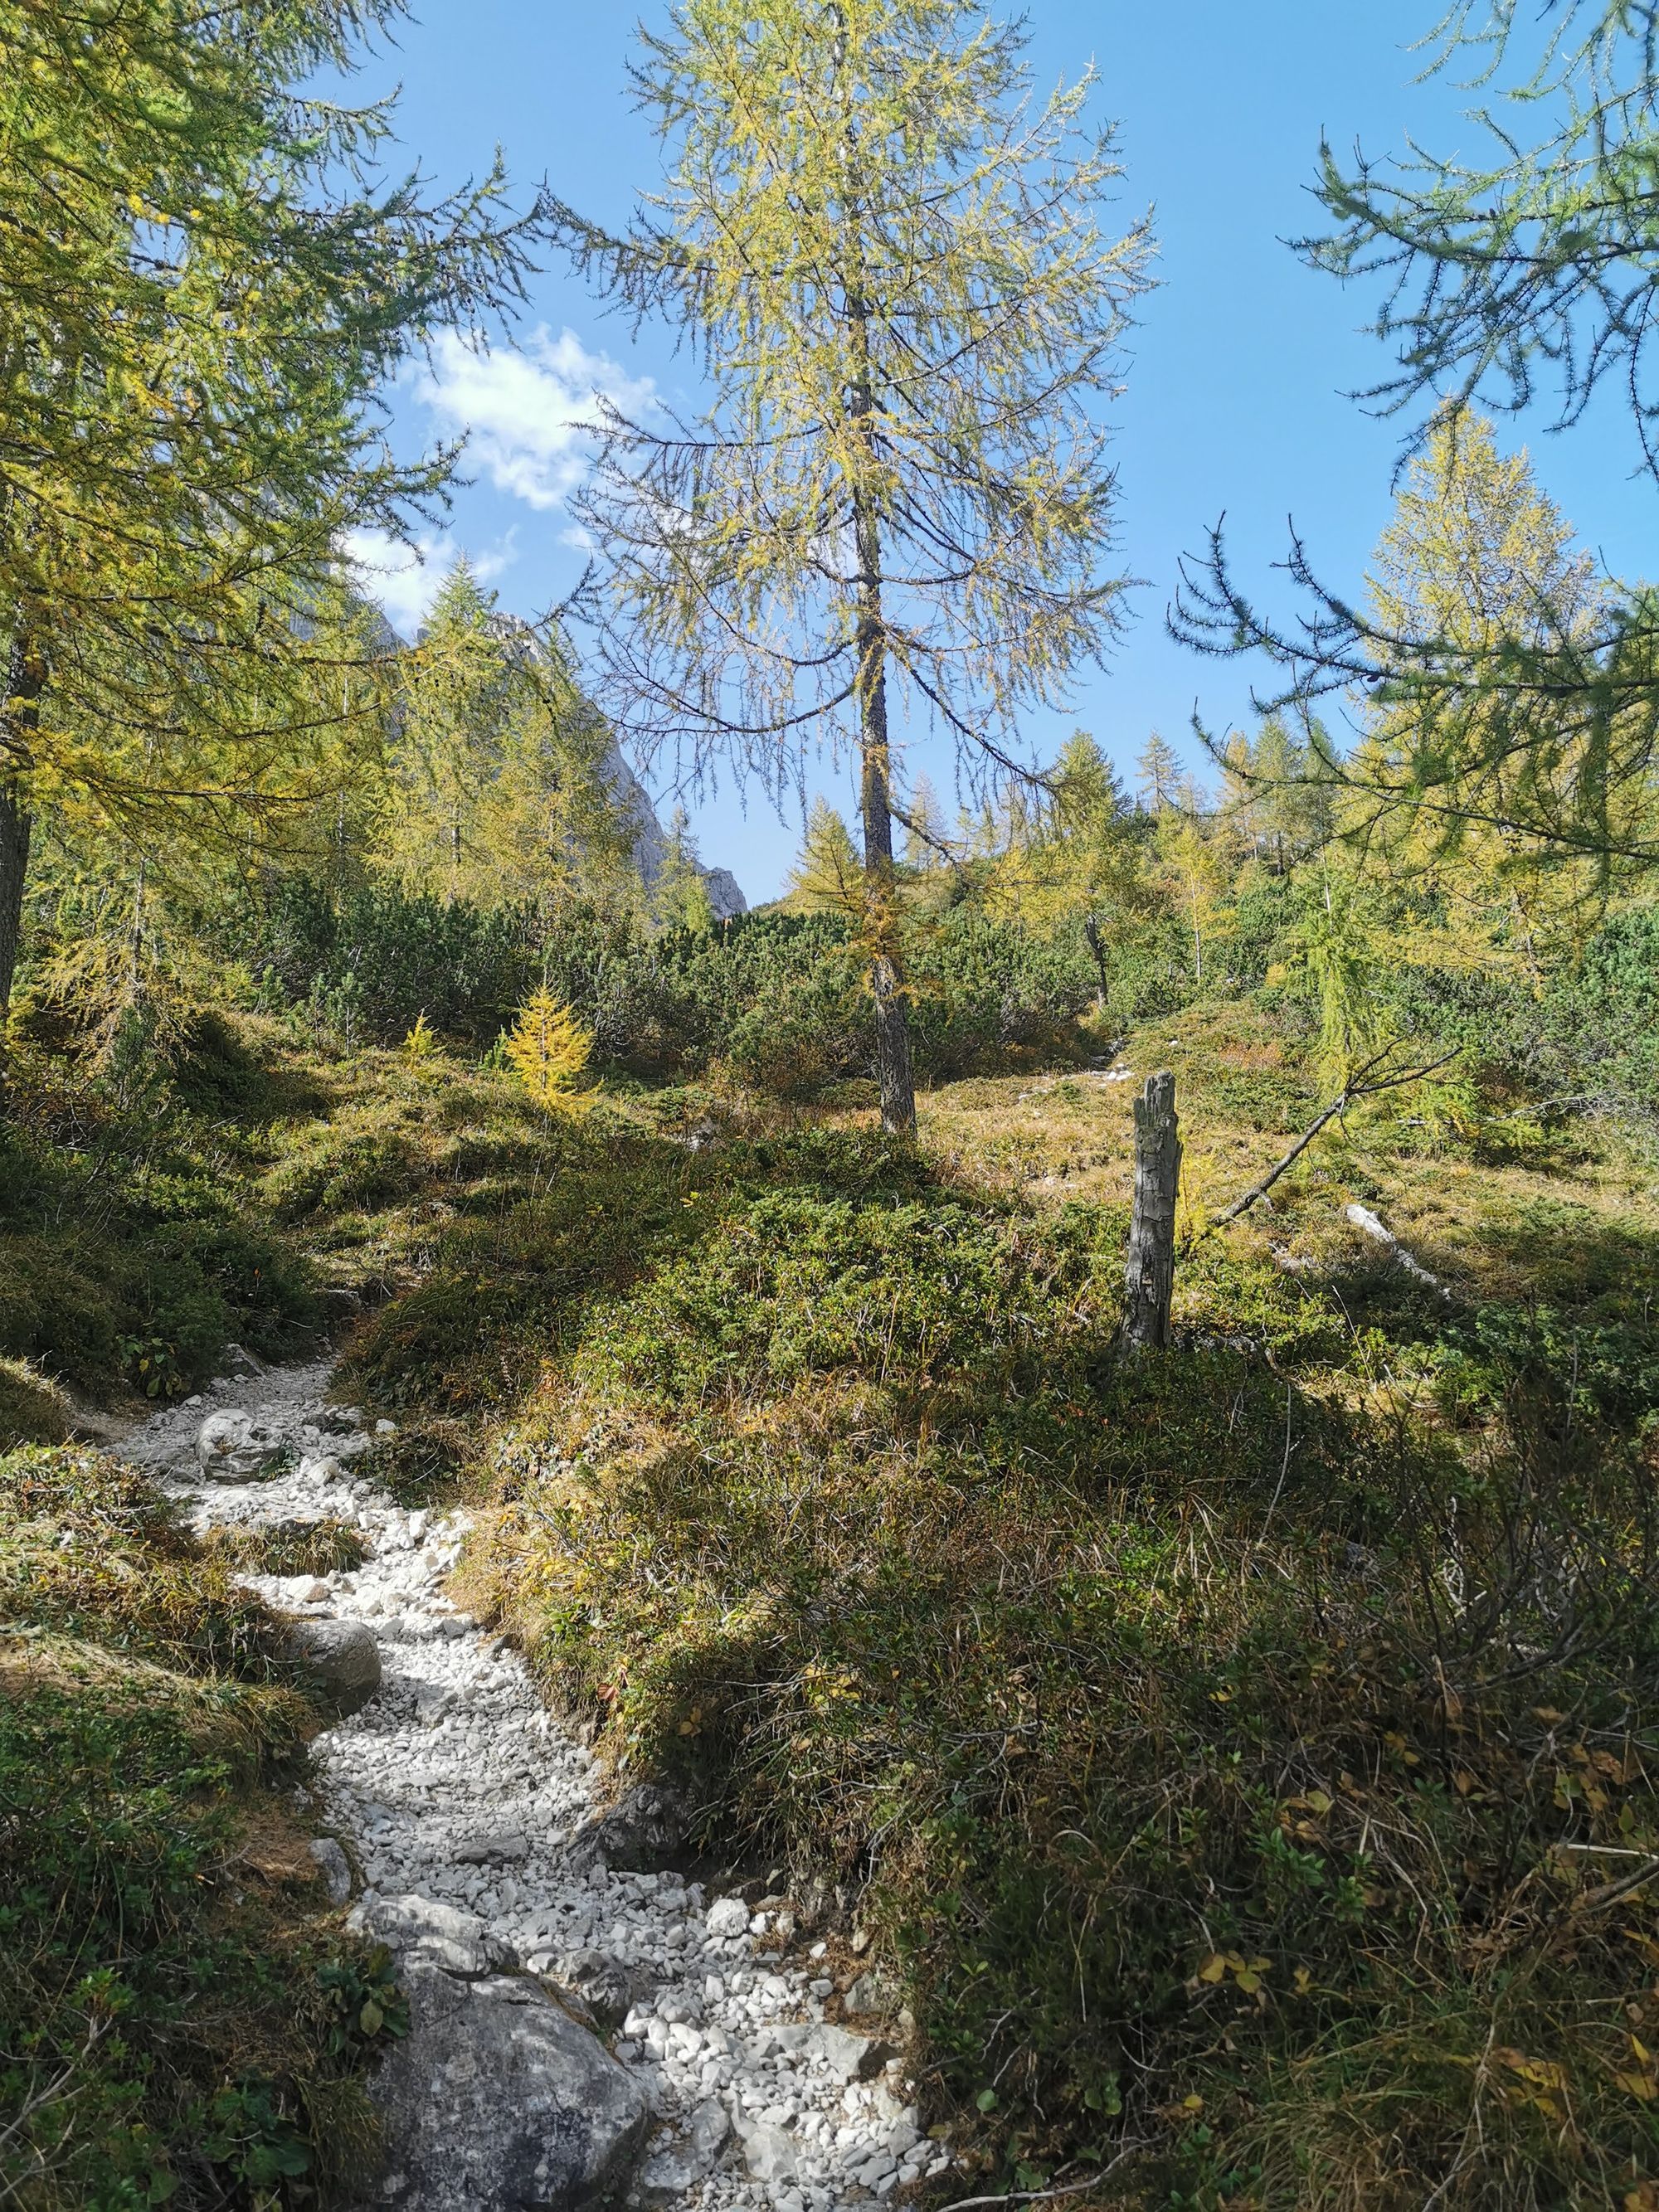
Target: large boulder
{"x": 497, "y": 2098}
{"x": 231, "y": 1446}
{"x": 339, "y": 1660}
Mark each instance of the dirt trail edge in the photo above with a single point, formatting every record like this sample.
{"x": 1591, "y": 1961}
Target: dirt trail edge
{"x": 582, "y": 2031}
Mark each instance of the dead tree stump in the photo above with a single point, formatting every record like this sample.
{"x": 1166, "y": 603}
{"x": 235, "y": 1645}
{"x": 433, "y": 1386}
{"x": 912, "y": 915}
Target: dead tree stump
{"x": 1151, "y": 1272}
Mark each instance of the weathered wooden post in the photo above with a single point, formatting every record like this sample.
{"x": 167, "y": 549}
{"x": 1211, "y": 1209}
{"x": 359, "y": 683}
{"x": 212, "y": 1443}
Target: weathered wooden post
{"x": 1151, "y": 1272}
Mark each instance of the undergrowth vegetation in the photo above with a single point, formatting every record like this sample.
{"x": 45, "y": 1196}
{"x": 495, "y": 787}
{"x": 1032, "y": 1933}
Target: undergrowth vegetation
{"x": 180, "y": 2019}
{"x": 1240, "y": 1765}
{"x": 129, "y": 1253}
{"x": 1246, "y": 1755}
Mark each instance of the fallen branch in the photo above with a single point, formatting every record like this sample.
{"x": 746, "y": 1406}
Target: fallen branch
{"x": 1609, "y": 1893}
{"x": 1360, "y": 1085}
{"x": 1041, "y": 2196}
{"x": 1365, "y": 1220}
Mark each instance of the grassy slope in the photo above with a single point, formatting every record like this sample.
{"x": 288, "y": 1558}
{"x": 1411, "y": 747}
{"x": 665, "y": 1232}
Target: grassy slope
{"x": 180, "y": 2019}
{"x": 132, "y": 1244}
{"x": 1237, "y": 1749}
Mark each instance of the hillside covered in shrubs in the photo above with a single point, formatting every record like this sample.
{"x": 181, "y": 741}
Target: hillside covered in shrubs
{"x": 1226, "y": 1756}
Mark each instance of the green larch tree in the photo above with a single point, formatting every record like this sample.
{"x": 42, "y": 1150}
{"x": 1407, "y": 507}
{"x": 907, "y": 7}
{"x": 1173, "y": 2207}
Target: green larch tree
{"x": 679, "y": 896}
{"x": 204, "y": 283}
{"x": 1086, "y": 863}
{"x": 1475, "y": 554}
{"x": 1158, "y": 774}
{"x": 894, "y": 273}
{"x": 450, "y": 735}
{"x": 1534, "y": 267}
{"x": 827, "y": 875}
{"x": 495, "y": 786}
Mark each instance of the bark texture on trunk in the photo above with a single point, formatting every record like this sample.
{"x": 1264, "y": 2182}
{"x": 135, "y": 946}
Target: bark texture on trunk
{"x": 894, "y": 1076}
{"x": 16, "y": 828}
{"x": 1150, "y": 1276}
{"x": 1097, "y": 946}
{"x": 26, "y": 677}
{"x": 893, "y": 1072}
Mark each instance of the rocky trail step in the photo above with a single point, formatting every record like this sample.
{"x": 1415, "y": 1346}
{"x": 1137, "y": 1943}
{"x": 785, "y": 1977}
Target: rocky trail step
{"x": 584, "y": 2029}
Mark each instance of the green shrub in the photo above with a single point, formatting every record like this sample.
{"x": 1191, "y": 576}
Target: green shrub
{"x": 780, "y": 999}
{"x": 130, "y": 1249}
{"x": 990, "y": 997}
{"x": 371, "y": 962}
{"x": 366, "y": 1157}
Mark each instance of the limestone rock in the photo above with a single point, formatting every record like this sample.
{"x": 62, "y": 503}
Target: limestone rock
{"x": 604, "y": 1984}
{"x": 678, "y": 2165}
{"x": 340, "y": 1661}
{"x": 335, "y": 1867}
{"x": 769, "y": 2154}
{"x": 231, "y": 1446}
{"x": 850, "y": 2057}
{"x": 497, "y": 2098}
{"x": 641, "y": 1833}
{"x": 458, "y": 1941}
{"x": 872, "y": 1992}
{"x": 491, "y": 1847}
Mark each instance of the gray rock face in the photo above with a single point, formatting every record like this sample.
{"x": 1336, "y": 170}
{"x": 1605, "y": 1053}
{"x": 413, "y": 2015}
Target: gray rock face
{"x": 641, "y": 1831}
{"x": 493, "y": 1847}
{"x": 233, "y": 1447}
{"x": 768, "y": 2153}
{"x": 850, "y": 2057}
{"x": 458, "y": 1941}
{"x": 498, "y": 2101}
{"x": 872, "y": 1992}
{"x": 339, "y": 1659}
{"x": 725, "y": 896}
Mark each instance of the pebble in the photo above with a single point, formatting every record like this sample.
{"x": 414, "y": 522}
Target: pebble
{"x": 454, "y": 1788}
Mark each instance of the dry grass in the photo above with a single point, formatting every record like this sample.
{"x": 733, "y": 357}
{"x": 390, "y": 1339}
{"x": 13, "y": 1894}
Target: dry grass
{"x": 1492, "y": 1227}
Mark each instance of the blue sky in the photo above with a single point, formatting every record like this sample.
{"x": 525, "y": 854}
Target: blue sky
{"x": 1235, "y": 379}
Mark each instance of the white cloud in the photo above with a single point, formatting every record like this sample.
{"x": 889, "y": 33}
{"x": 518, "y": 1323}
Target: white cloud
{"x": 530, "y": 413}
{"x": 406, "y": 578}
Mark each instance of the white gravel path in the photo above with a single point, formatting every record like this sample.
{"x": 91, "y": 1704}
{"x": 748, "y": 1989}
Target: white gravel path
{"x": 455, "y": 1785}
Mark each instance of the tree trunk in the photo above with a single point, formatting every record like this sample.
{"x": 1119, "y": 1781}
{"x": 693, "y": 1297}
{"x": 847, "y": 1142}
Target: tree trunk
{"x": 881, "y": 916}
{"x": 25, "y": 681}
{"x": 893, "y": 1072}
{"x": 1150, "y": 1273}
{"x": 1097, "y": 946}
